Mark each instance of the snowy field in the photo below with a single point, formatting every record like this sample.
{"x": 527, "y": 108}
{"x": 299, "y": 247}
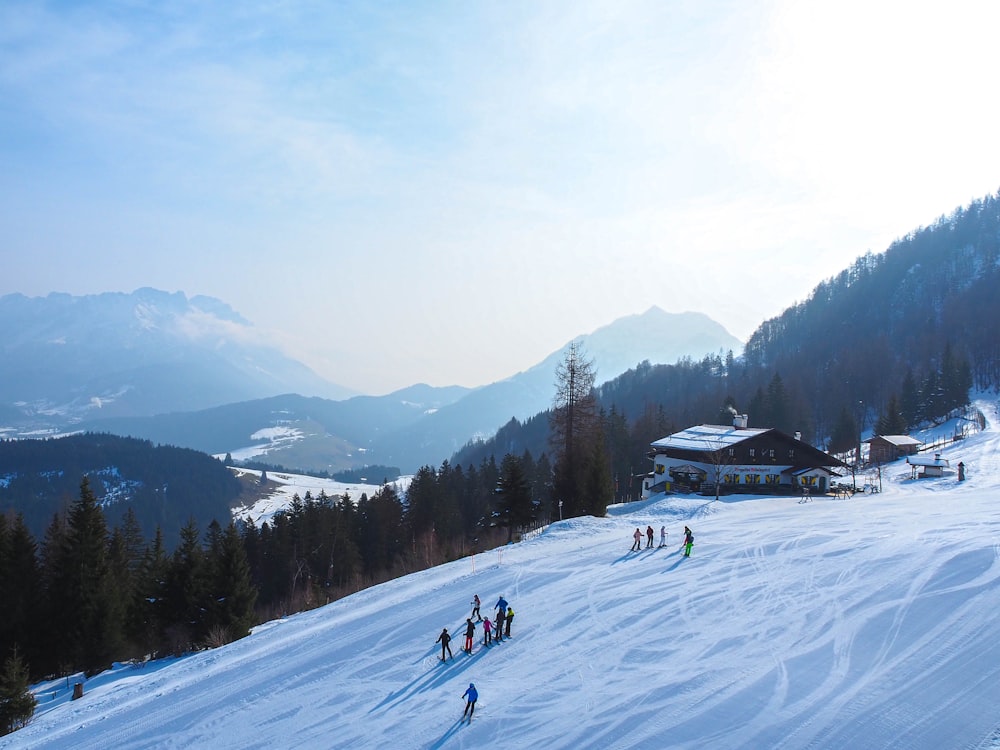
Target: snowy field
{"x": 869, "y": 622}
{"x": 289, "y": 485}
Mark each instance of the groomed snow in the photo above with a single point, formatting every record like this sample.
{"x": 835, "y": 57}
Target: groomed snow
{"x": 862, "y": 623}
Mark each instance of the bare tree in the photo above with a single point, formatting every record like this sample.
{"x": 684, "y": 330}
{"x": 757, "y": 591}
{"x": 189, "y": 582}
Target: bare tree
{"x": 574, "y": 407}
{"x": 574, "y": 425}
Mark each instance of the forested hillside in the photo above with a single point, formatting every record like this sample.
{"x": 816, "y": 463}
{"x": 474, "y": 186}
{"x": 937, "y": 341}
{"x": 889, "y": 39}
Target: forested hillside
{"x": 896, "y": 339}
{"x": 164, "y": 486}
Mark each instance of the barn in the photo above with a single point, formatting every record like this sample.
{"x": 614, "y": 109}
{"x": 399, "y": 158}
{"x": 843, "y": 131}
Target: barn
{"x": 883, "y": 449}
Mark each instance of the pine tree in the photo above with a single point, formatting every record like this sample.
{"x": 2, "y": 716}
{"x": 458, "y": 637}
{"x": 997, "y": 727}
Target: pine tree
{"x": 232, "y": 593}
{"x": 845, "y": 433}
{"x": 17, "y": 704}
{"x": 513, "y": 506}
{"x": 144, "y": 623}
{"x": 185, "y": 597}
{"x": 891, "y": 422}
{"x": 88, "y": 611}
{"x": 21, "y": 588}
{"x": 909, "y": 400}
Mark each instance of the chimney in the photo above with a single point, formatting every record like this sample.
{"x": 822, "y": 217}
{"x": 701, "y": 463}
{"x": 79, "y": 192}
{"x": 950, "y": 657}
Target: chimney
{"x": 798, "y": 435}
{"x": 740, "y": 421}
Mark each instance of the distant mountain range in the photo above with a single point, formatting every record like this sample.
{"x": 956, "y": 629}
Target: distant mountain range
{"x": 67, "y": 358}
{"x": 193, "y": 373}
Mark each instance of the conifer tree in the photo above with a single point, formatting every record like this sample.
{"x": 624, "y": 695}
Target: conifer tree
{"x": 21, "y": 592}
{"x": 17, "y": 704}
{"x": 186, "y": 592}
{"x": 513, "y": 507}
{"x": 232, "y": 593}
{"x": 89, "y": 612}
{"x": 144, "y": 622}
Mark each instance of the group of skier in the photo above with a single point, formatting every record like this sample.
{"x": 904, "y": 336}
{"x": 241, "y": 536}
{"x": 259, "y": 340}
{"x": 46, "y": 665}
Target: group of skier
{"x": 493, "y": 631}
{"x": 637, "y": 537}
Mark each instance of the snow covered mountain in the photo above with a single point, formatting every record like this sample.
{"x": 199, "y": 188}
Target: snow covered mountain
{"x": 419, "y": 425}
{"x": 657, "y": 336}
{"x": 861, "y": 623}
{"x": 148, "y": 352}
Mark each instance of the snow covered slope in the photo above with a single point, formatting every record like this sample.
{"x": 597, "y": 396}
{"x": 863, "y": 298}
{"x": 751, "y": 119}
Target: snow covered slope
{"x": 861, "y": 623}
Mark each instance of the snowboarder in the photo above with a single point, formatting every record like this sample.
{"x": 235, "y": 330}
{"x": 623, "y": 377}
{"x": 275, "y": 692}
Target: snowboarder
{"x": 637, "y": 544}
{"x": 470, "y": 631}
{"x": 475, "y": 608}
{"x": 688, "y": 541}
{"x": 663, "y": 536}
{"x": 649, "y": 537}
{"x": 472, "y": 695}
{"x": 510, "y": 616}
{"x": 444, "y": 639}
{"x": 487, "y": 627}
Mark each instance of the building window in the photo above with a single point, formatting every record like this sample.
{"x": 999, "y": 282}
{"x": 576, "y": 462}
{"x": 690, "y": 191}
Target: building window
{"x": 732, "y": 452}
{"x": 791, "y": 453}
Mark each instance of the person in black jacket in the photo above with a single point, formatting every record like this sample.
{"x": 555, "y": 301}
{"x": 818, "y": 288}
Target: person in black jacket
{"x": 444, "y": 639}
{"x": 470, "y": 630}
{"x": 688, "y": 541}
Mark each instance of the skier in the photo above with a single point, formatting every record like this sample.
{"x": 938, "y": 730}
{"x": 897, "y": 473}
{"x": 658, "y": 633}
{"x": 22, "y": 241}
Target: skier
{"x": 637, "y": 544}
{"x": 487, "y": 626}
{"x": 501, "y": 604}
{"x": 472, "y": 695}
{"x": 470, "y": 630}
{"x": 444, "y": 639}
{"x": 498, "y": 626}
{"x": 688, "y": 541}
{"x": 663, "y": 536}
{"x": 510, "y": 616}
{"x": 649, "y": 537}
{"x": 475, "y": 608}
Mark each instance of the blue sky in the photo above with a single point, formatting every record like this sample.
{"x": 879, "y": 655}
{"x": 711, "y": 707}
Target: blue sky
{"x": 448, "y": 192}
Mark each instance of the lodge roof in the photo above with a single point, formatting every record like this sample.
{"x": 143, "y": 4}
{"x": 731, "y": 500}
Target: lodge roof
{"x": 713, "y": 438}
{"x": 708, "y": 437}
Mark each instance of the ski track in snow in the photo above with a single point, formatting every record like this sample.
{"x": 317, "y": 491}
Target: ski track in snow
{"x": 860, "y": 623}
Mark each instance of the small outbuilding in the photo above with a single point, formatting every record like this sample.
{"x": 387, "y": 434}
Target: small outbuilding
{"x": 928, "y": 467}
{"x": 883, "y": 449}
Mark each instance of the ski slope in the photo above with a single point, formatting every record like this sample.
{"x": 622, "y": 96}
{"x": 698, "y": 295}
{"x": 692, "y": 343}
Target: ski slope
{"x": 869, "y": 622}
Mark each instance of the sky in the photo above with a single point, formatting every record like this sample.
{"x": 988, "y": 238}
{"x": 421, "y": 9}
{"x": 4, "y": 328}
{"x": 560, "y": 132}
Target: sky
{"x": 455, "y": 190}
{"x": 867, "y": 622}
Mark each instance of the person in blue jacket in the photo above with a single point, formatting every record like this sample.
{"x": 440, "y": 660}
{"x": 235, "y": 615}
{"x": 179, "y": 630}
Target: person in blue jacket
{"x": 501, "y": 604}
{"x": 472, "y": 695}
